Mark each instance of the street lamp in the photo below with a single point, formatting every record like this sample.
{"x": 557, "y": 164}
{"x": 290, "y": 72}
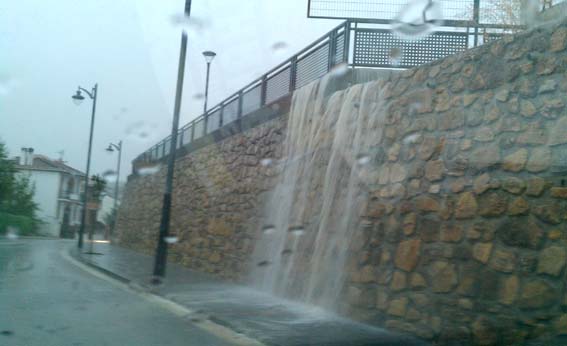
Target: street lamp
{"x": 118, "y": 148}
{"x": 78, "y": 99}
{"x": 209, "y": 56}
{"x": 161, "y": 249}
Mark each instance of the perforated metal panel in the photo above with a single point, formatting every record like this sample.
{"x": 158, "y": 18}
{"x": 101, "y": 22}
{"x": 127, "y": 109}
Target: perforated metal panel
{"x": 199, "y": 129}
{"x": 374, "y": 48}
{"x": 213, "y": 122}
{"x": 278, "y": 85}
{"x": 230, "y": 112}
{"x": 312, "y": 66}
{"x": 251, "y": 100}
{"x": 461, "y": 10}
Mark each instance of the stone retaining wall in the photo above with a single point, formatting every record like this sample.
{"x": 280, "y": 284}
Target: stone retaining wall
{"x": 463, "y": 237}
{"x": 217, "y": 191}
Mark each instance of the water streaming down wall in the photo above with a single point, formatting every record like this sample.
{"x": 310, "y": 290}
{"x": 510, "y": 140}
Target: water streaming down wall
{"x": 313, "y": 211}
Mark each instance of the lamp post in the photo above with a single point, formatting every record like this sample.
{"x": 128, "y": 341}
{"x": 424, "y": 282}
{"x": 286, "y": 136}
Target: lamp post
{"x": 161, "y": 248}
{"x": 77, "y": 99}
{"x": 118, "y": 148}
{"x": 209, "y": 56}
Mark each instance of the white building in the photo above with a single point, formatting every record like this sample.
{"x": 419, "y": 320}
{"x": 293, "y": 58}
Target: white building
{"x": 58, "y": 190}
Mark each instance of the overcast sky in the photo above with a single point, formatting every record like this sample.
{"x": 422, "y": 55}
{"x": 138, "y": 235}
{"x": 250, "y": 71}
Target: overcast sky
{"x": 131, "y": 48}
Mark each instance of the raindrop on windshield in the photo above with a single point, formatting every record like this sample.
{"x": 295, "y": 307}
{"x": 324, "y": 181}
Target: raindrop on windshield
{"x": 266, "y": 162}
{"x": 395, "y": 56}
{"x": 110, "y": 176}
{"x": 286, "y": 252}
{"x": 279, "y": 47}
{"x": 412, "y": 138}
{"x": 363, "y": 159}
{"x": 530, "y": 12}
{"x": 417, "y": 19}
{"x": 148, "y": 170}
{"x": 140, "y": 131}
{"x": 264, "y": 263}
{"x": 6, "y": 84}
{"x": 124, "y": 110}
{"x": 170, "y": 239}
{"x": 12, "y": 233}
{"x": 198, "y": 96}
{"x": 269, "y": 229}
{"x": 297, "y": 230}
{"x": 191, "y": 24}
{"x": 339, "y": 70}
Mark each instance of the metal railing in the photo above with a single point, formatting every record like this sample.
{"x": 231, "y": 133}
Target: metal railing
{"x": 309, "y": 64}
{"x": 350, "y": 43}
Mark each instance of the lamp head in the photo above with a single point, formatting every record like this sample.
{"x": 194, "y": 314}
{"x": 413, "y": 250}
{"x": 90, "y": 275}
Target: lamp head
{"x": 78, "y": 98}
{"x": 209, "y": 55}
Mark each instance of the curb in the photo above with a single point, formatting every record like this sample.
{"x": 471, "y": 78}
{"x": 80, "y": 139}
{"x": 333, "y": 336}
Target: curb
{"x": 212, "y": 325}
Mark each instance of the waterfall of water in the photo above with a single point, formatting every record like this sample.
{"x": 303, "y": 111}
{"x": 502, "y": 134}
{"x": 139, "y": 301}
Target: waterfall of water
{"x": 312, "y": 213}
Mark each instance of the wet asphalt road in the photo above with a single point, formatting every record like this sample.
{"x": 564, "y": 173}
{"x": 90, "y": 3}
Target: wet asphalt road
{"x": 46, "y": 300}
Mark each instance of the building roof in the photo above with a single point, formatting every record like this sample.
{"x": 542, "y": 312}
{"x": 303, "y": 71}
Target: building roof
{"x": 43, "y": 163}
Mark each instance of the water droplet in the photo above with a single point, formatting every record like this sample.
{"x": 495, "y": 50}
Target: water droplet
{"x": 12, "y": 233}
{"x": 363, "y": 159}
{"x": 296, "y": 230}
{"x": 356, "y": 105}
{"x": 170, "y": 239}
{"x": 279, "y": 47}
{"x": 286, "y": 252}
{"x": 192, "y": 24}
{"x": 417, "y": 19}
{"x": 530, "y": 12}
{"x": 140, "y": 131}
{"x": 264, "y": 263}
{"x": 269, "y": 229}
{"x": 414, "y": 108}
{"x": 199, "y": 96}
{"x": 7, "y": 332}
{"x": 275, "y": 107}
{"x": 6, "y": 84}
{"x": 395, "y": 56}
{"x": 110, "y": 176}
{"x": 412, "y": 138}
{"x": 124, "y": 110}
{"x": 339, "y": 70}
{"x": 266, "y": 162}
{"x": 149, "y": 170}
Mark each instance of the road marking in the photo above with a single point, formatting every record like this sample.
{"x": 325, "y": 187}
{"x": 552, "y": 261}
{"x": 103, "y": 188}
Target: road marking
{"x": 212, "y": 328}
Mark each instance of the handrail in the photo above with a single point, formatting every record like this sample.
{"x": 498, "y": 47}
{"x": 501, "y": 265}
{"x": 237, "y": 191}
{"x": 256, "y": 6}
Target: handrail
{"x": 258, "y": 82}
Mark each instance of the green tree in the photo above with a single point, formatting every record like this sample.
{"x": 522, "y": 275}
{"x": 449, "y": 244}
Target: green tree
{"x": 17, "y": 208}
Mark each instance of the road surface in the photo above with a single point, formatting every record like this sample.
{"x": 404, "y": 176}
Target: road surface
{"x": 47, "y": 300}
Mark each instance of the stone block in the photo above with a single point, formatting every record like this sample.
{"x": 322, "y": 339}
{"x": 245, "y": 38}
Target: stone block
{"x": 407, "y": 254}
{"x": 552, "y": 260}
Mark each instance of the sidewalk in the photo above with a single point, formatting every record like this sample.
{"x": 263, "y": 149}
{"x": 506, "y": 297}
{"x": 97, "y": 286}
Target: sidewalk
{"x": 270, "y": 320}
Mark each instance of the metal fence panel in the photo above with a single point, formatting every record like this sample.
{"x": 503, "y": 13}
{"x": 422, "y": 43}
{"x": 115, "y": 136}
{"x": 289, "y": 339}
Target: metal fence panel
{"x": 213, "y": 122}
{"x": 252, "y": 99}
{"x": 230, "y": 112}
{"x": 312, "y": 66}
{"x": 339, "y": 49}
{"x": 278, "y": 85}
{"x": 187, "y": 135}
{"x": 167, "y": 147}
{"x": 461, "y": 10}
{"x": 374, "y": 48}
{"x": 199, "y": 128}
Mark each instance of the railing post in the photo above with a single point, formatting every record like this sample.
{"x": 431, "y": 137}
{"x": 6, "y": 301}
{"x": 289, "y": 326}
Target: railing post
{"x": 240, "y": 100}
{"x": 264, "y": 90}
{"x": 221, "y": 115}
{"x": 332, "y": 49}
{"x": 346, "y": 34}
{"x": 293, "y": 73}
{"x": 206, "y": 121}
{"x": 192, "y": 130}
